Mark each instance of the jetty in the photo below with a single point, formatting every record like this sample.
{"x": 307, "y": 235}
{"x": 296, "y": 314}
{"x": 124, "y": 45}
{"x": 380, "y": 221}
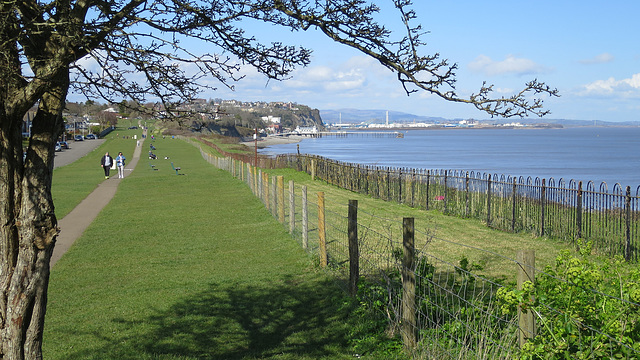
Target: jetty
{"x": 319, "y": 134}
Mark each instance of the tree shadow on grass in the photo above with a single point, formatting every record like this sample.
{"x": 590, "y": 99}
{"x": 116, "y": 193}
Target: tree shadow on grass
{"x": 283, "y": 320}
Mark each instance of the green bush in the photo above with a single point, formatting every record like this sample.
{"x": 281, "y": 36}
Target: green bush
{"x": 584, "y": 309}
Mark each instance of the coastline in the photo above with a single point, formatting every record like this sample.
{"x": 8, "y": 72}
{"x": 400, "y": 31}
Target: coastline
{"x": 273, "y": 140}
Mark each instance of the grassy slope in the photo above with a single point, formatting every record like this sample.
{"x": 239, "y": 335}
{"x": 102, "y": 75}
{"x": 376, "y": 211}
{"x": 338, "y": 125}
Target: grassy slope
{"x": 186, "y": 267}
{"x": 449, "y": 238}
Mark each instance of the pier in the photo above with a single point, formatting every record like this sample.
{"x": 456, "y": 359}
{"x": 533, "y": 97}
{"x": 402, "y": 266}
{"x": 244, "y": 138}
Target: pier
{"x": 319, "y": 134}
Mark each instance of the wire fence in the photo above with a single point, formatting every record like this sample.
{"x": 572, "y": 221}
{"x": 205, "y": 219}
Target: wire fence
{"x": 444, "y": 308}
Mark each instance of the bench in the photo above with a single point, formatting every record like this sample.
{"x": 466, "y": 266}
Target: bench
{"x": 175, "y": 168}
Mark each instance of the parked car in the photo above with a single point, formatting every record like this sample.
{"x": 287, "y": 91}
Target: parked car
{"x": 90, "y": 137}
{"x": 58, "y": 147}
{"x": 64, "y": 144}
{"x": 78, "y": 138}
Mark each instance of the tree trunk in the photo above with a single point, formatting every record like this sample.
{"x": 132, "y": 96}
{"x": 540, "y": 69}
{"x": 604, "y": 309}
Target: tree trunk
{"x": 29, "y": 226}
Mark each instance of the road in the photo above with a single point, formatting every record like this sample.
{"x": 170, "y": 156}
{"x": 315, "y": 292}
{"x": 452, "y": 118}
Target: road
{"x": 77, "y": 150}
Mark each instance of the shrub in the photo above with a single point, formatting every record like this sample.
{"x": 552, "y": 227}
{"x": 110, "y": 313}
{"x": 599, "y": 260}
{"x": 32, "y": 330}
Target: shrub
{"x": 584, "y": 309}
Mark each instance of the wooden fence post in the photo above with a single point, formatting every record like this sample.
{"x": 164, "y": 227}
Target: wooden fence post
{"x": 292, "y": 207}
{"x": 261, "y": 187}
{"x": 313, "y": 169}
{"x": 354, "y": 253}
{"x": 408, "y": 285}
{"x": 265, "y": 190}
{"x": 322, "y": 230}
{"x": 258, "y": 181}
{"x": 526, "y": 272}
{"x": 281, "y": 199}
{"x": 305, "y": 219}
{"x": 274, "y": 196}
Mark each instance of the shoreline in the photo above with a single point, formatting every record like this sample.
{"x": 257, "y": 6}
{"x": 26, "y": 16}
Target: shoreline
{"x": 273, "y": 140}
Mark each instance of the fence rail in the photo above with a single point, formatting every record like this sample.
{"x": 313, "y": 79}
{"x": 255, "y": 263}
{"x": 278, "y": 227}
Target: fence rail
{"x": 441, "y": 308}
{"x": 570, "y": 211}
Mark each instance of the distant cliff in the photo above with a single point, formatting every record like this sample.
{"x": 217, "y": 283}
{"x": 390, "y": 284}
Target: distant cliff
{"x": 303, "y": 116}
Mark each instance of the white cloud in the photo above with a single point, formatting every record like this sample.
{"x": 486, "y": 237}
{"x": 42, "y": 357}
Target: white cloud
{"x": 625, "y": 88}
{"x": 510, "y": 65}
{"x": 598, "y": 59}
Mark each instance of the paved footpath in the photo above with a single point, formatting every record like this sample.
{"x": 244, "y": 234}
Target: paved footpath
{"x": 74, "y": 224}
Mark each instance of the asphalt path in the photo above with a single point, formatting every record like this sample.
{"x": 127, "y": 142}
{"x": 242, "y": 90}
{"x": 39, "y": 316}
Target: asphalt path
{"x": 76, "y": 222}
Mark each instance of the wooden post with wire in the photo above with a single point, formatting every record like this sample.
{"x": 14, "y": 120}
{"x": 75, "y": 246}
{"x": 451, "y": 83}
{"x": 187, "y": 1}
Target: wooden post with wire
{"x": 305, "y": 219}
{"x": 281, "y": 206}
{"x": 292, "y": 207}
{"x": 322, "y": 236}
{"x": 408, "y": 285}
{"x": 354, "y": 253}
{"x": 526, "y": 272}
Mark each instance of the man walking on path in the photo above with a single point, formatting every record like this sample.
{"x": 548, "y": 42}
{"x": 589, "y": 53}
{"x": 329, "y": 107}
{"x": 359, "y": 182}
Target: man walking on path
{"x": 106, "y": 163}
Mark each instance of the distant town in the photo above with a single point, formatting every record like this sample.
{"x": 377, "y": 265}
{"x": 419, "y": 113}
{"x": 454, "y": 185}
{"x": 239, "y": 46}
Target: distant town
{"x": 462, "y": 124}
{"x": 239, "y": 118}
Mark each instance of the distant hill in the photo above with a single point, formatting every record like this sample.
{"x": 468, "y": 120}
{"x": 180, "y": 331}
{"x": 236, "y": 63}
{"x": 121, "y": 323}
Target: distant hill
{"x": 356, "y": 116}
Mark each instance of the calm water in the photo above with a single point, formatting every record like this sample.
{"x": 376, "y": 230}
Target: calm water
{"x": 610, "y": 155}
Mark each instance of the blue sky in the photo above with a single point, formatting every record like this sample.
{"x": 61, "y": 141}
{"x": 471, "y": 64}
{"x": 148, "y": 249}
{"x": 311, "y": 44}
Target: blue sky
{"x": 589, "y": 50}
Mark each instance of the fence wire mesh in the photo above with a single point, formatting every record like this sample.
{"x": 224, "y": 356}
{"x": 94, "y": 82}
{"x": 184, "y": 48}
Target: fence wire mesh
{"x": 578, "y": 311}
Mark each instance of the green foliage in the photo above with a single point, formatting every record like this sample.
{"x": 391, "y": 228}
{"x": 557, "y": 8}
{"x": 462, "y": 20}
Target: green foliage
{"x": 374, "y": 334}
{"x": 584, "y": 309}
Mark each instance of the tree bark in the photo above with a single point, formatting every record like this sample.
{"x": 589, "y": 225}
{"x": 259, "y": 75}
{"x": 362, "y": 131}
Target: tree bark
{"x": 29, "y": 225}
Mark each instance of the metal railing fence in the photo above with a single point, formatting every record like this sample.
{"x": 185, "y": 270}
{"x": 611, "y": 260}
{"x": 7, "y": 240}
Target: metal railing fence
{"x": 610, "y": 218}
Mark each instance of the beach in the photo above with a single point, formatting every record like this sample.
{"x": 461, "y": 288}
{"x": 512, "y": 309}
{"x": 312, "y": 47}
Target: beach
{"x": 263, "y": 142}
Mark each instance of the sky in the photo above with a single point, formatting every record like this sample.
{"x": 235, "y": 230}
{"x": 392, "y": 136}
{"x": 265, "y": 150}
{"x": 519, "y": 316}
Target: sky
{"x": 588, "y": 50}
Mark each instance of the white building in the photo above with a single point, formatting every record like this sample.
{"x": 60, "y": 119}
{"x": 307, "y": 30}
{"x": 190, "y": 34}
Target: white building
{"x": 306, "y": 130}
{"x": 271, "y": 119}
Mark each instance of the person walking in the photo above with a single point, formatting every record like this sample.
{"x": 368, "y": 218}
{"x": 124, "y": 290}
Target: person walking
{"x": 106, "y": 163}
{"x": 120, "y": 164}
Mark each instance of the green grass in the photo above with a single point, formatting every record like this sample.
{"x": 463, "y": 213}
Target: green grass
{"x": 73, "y": 182}
{"x": 194, "y": 267}
{"x": 449, "y": 238}
{"x": 191, "y": 267}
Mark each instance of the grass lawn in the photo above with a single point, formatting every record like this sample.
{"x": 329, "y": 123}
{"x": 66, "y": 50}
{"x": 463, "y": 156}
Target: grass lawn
{"x": 191, "y": 267}
{"x": 73, "y": 182}
{"x": 448, "y": 238}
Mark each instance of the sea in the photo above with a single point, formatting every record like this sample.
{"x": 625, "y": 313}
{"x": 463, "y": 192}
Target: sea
{"x": 599, "y": 154}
